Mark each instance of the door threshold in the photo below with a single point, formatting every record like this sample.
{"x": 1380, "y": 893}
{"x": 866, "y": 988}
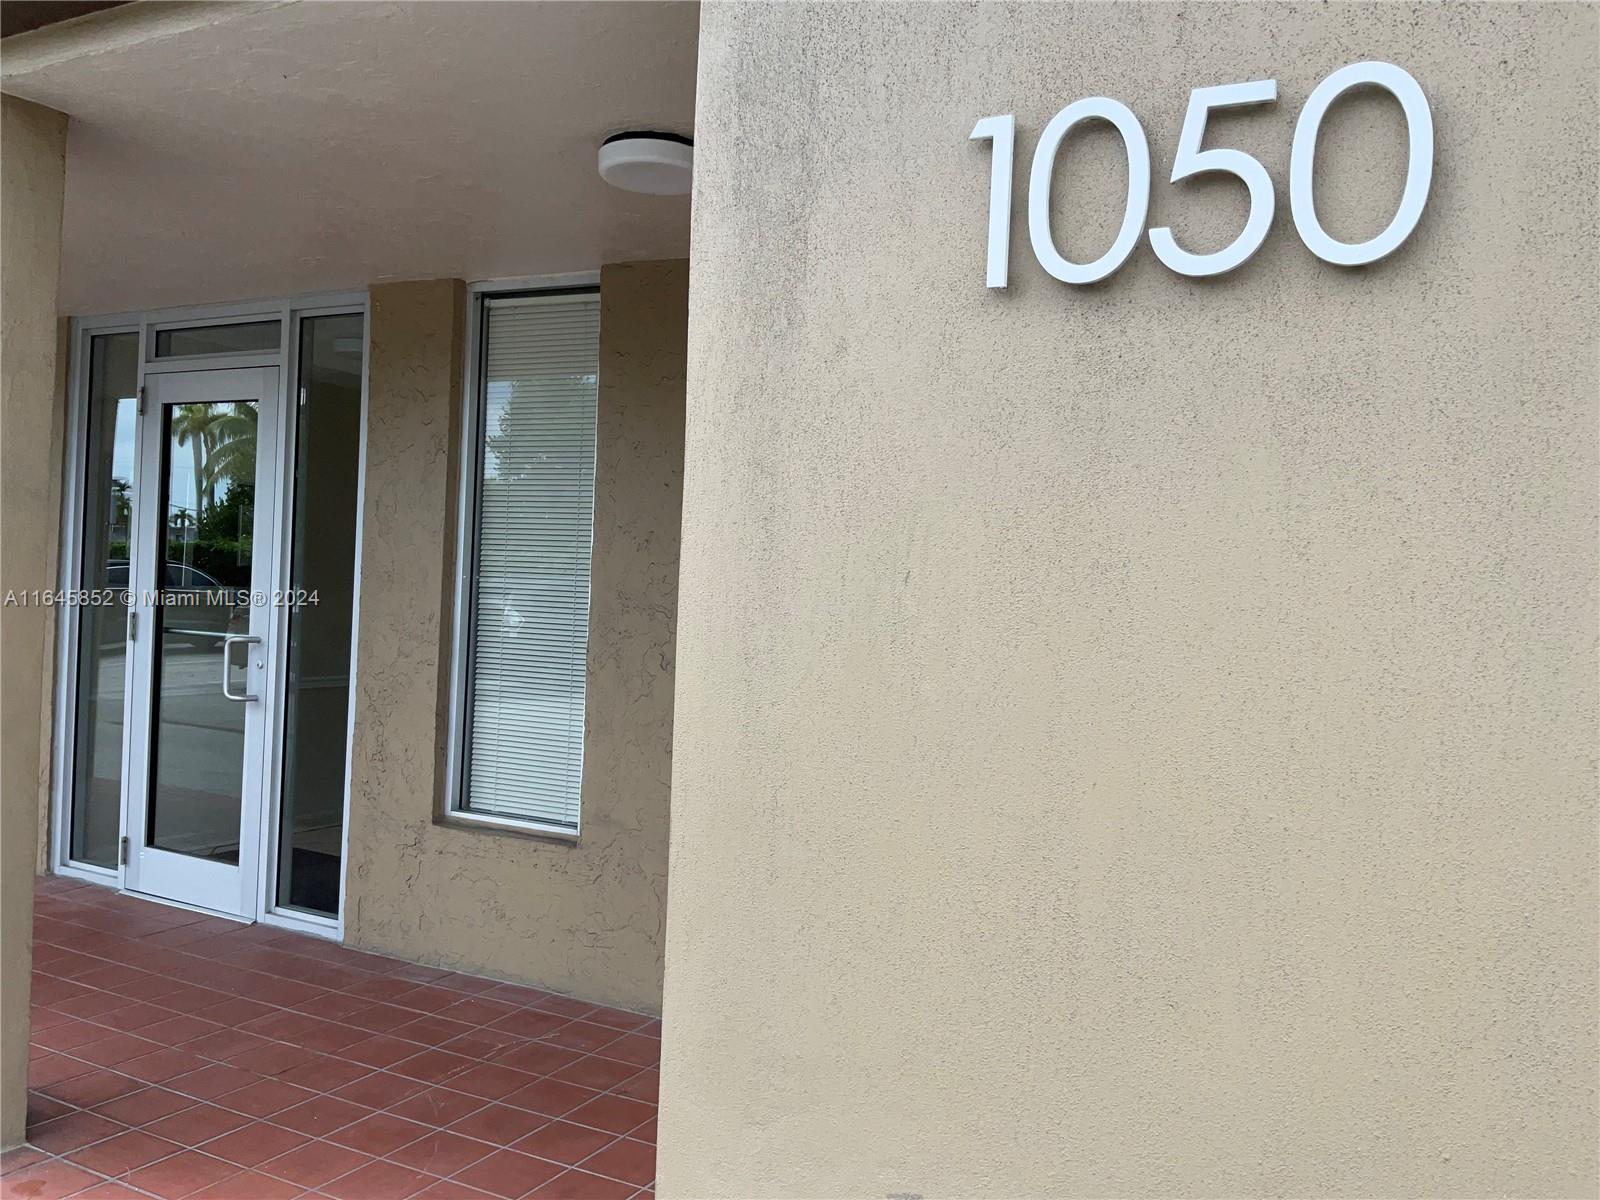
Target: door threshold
{"x": 312, "y": 925}
{"x": 194, "y": 908}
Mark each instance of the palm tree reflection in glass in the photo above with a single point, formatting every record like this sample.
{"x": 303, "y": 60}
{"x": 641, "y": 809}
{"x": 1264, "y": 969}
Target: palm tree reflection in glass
{"x": 208, "y": 546}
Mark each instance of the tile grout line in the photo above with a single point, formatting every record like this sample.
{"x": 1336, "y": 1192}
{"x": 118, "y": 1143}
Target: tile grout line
{"x": 327, "y": 1137}
{"x": 272, "y": 941}
{"x": 519, "y": 1001}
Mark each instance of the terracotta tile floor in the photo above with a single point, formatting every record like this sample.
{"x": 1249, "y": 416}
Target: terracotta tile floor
{"x": 176, "y": 1055}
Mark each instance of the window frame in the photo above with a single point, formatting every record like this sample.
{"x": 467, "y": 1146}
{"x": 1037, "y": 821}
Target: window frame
{"x": 289, "y": 311}
{"x": 453, "y": 808}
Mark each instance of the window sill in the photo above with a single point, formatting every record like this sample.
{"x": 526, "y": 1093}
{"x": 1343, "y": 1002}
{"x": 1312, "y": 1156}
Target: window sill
{"x": 473, "y": 822}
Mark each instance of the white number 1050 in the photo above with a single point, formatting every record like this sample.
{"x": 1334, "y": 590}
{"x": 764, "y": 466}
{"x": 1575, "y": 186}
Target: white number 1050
{"x": 1190, "y": 161}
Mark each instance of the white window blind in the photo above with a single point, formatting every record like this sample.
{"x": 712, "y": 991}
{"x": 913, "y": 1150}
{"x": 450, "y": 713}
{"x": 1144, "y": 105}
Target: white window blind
{"x": 530, "y": 602}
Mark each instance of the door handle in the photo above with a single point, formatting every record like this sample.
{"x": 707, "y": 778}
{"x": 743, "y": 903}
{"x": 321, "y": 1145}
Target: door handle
{"x": 228, "y": 643}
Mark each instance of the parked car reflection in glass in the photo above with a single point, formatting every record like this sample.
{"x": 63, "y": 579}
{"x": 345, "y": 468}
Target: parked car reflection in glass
{"x": 198, "y": 610}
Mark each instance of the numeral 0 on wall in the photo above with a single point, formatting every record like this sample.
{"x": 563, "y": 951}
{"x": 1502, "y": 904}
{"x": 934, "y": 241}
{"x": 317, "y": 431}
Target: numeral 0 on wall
{"x": 1191, "y": 161}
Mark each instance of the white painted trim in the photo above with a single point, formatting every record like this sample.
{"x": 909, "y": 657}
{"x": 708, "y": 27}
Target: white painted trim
{"x": 88, "y": 874}
{"x": 194, "y": 908}
{"x": 212, "y": 362}
{"x": 69, "y": 573}
{"x": 289, "y": 312}
{"x": 277, "y": 664}
{"x": 197, "y": 362}
{"x": 297, "y": 921}
{"x": 271, "y": 912}
{"x": 69, "y": 624}
{"x": 129, "y": 691}
{"x": 355, "y": 605}
{"x": 480, "y": 296}
{"x": 153, "y": 870}
{"x": 466, "y": 509}
{"x": 533, "y": 828}
{"x": 535, "y": 283}
{"x": 193, "y": 314}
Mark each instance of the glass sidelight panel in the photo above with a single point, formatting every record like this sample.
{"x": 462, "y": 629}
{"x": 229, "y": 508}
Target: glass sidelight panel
{"x": 322, "y": 573}
{"x": 96, "y": 817}
{"x": 207, "y": 508}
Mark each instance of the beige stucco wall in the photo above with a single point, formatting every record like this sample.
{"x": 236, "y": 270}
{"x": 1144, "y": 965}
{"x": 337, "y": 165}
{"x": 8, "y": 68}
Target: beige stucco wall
{"x": 1135, "y": 740}
{"x": 584, "y": 917}
{"x": 32, "y": 171}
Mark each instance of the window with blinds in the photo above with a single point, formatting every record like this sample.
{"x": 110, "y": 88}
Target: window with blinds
{"x": 529, "y": 601}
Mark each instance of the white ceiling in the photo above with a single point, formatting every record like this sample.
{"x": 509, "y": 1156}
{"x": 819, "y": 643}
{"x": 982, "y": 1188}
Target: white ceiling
{"x": 236, "y": 151}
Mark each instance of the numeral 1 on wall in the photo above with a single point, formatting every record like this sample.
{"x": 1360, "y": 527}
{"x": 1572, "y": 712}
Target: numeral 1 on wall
{"x": 1002, "y": 133}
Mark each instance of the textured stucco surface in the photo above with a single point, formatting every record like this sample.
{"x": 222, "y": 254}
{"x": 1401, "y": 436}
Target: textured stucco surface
{"x": 32, "y": 161}
{"x": 1135, "y": 740}
{"x": 584, "y": 917}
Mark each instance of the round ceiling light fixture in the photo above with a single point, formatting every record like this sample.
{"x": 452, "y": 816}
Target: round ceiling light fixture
{"x": 660, "y": 164}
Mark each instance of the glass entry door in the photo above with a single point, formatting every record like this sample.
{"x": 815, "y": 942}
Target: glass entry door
{"x": 201, "y": 633}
